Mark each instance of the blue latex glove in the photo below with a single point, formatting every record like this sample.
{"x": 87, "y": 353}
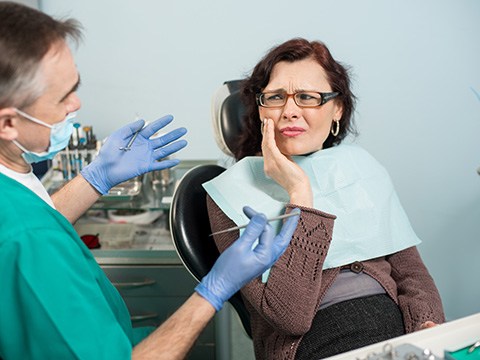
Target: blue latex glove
{"x": 240, "y": 264}
{"x": 113, "y": 166}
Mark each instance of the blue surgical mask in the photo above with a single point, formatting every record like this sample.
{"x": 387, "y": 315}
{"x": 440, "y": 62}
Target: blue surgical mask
{"x": 59, "y": 137}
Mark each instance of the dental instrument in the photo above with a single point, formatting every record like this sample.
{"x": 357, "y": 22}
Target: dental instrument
{"x": 245, "y": 225}
{"x": 129, "y": 145}
{"x": 473, "y": 347}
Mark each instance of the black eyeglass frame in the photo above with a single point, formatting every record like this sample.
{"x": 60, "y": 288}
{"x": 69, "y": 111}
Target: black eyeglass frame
{"x": 325, "y": 96}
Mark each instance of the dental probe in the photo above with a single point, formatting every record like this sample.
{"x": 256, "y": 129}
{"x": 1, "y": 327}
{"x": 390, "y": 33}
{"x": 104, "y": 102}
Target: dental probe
{"x": 129, "y": 145}
{"x": 473, "y": 347}
{"x": 244, "y": 226}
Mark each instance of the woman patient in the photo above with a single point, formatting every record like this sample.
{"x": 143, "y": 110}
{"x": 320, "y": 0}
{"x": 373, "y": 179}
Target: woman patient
{"x": 352, "y": 275}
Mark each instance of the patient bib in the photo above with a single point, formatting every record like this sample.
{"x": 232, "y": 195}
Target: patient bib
{"x": 346, "y": 181}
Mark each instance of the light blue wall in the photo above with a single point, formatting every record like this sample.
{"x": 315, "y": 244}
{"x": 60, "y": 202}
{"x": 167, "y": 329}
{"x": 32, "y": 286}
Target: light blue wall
{"x": 414, "y": 64}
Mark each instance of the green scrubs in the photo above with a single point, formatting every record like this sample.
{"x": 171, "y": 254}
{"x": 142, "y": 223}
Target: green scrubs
{"x": 55, "y": 301}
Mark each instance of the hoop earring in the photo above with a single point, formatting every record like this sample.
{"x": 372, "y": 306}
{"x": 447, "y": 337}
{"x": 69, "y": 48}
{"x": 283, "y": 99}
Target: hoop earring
{"x": 337, "y": 130}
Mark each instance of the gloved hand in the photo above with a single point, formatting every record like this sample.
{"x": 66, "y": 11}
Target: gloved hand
{"x": 113, "y": 166}
{"x": 239, "y": 264}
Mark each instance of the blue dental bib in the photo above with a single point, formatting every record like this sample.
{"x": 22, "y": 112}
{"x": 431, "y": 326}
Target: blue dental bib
{"x": 346, "y": 181}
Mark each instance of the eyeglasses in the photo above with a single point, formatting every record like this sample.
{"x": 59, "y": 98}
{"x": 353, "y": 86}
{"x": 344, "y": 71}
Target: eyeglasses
{"x": 302, "y": 99}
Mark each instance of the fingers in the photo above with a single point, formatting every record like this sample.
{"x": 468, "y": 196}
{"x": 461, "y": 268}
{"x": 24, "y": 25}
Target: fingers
{"x": 273, "y": 158}
{"x": 254, "y": 229}
{"x": 427, "y": 324}
{"x": 268, "y": 141}
{"x": 169, "y": 149}
{"x": 266, "y": 135}
{"x": 268, "y": 242}
{"x": 131, "y": 128}
{"x": 288, "y": 228}
{"x": 274, "y": 246}
{"x": 128, "y": 130}
{"x": 164, "y": 164}
{"x": 247, "y": 210}
{"x": 156, "y": 125}
{"x": 168, "y": 137}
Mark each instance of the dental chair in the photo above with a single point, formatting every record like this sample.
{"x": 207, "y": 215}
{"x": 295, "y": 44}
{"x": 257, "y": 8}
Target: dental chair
{"x": 189, "y": 223}
{"x": 227, "y": 116}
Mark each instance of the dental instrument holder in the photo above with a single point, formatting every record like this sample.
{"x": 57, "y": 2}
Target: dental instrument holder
{"x": 401, "y": 352}
{"x": 151, "y": 190}
{"x": 81, "y": 150}
{"x": 470, "y": 352}
{"x": 161, "y": 179}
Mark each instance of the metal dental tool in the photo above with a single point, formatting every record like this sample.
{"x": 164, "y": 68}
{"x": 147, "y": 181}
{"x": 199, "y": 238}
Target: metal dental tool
{"x": 129, "y": 145}
{"x": 473, "y": 347}
{"x": 244, "y": 226}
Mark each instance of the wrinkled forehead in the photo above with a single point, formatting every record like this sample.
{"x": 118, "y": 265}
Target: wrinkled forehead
{"x": 296, "y": 76}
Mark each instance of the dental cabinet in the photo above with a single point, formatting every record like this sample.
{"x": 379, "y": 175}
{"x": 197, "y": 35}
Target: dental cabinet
{"x": 138, "y": 256}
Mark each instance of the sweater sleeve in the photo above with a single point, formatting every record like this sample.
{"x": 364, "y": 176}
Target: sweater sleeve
{"x": 418, "y": 296}
{"x": 289, "y": 299}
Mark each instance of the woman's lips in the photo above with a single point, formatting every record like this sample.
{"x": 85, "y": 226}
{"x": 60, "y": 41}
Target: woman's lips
{"x": 292, "y": 131}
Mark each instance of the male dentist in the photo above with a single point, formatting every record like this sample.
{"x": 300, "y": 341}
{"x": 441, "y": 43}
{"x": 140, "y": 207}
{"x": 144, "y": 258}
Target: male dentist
{"x": 55, "y": 301}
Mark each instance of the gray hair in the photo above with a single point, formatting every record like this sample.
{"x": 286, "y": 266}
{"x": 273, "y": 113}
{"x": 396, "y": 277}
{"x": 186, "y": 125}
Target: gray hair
{"x": 26, "y": 35}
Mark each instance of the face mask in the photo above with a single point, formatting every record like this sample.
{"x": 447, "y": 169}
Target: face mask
{"x": 59, "y": 137}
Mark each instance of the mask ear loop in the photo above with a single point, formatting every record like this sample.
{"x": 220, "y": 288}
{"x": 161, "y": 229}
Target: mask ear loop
{"x": 31, "y": 118}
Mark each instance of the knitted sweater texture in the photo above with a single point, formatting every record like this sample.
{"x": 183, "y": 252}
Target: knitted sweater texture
{"x": 282, "y": 309}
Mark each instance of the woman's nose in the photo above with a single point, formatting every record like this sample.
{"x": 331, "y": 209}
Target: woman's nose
{"x": 291, "y": 110}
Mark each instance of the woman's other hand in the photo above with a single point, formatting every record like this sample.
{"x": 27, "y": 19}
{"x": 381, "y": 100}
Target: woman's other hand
{"x": 427, "y": 324}
{"x": 283, "y": 170}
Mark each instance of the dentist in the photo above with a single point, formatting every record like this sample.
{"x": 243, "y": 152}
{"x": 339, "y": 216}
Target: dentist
{"x": 55, "y": 301}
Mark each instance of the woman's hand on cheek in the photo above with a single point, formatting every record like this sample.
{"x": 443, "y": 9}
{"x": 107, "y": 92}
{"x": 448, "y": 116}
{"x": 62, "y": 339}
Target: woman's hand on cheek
{"x": 283, "y": 170}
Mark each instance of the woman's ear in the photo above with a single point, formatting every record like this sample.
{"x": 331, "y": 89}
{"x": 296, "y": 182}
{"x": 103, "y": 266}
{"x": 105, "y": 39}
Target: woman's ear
{"x": 338, "y": 111}
{"x": 8, "y": 119}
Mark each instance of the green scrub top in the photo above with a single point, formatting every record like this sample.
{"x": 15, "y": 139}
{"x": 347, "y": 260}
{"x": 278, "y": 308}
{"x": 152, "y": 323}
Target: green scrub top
{"x": 55, "y": 300}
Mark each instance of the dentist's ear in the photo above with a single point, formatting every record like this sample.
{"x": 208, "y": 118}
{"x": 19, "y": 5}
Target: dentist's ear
{"x": 8, "y": 119}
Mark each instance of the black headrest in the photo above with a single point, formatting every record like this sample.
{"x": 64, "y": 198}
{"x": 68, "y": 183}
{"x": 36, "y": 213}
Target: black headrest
{"x": 231, "y": 120}
{"x": 190, "y": 228}
{"x": 189, "y": 221}
{"x": 227, "y": 116}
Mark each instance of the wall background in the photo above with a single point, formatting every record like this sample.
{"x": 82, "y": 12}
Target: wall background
{"x": 31, "y": 3}
{"x": 415, "y": 71}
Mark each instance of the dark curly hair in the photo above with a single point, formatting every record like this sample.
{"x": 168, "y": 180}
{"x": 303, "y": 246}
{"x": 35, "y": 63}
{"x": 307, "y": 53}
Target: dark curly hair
{"x": 250, "y": 139}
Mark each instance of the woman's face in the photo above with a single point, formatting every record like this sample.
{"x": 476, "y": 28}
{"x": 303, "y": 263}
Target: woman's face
{"x": 300, "y": 130}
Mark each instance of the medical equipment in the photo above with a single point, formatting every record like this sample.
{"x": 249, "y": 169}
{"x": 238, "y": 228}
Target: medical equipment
{"x": 219, "y": 284}
{"x": 129, "y": 145}
{"x": 81, "y": 150}
{"x": 99, "y": 172}
{"x": 245, "y": 225}
{"x": 448, "y": 341}
{"x": 401, "y": 352}
{"x": 474, "y": 347}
